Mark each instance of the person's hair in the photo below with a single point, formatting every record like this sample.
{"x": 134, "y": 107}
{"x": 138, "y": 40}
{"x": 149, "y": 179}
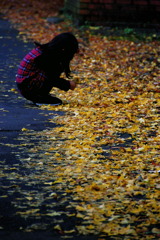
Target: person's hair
{"x": 57, "y": 54}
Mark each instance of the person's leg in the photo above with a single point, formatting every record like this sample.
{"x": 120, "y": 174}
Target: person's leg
{"x": 46, "y": 99}
{"x": 30, "y": 92}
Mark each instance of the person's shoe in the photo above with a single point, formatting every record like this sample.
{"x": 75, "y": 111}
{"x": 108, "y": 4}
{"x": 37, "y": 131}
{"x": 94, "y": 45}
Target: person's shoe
{"x": 55, "y": 101}
{"x": 49, "y": 100}
{"x": 46, "y": 104}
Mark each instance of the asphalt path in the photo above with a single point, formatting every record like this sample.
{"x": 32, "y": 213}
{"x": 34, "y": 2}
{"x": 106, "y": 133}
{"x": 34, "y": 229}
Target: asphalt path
{"x": 17, "y": 114}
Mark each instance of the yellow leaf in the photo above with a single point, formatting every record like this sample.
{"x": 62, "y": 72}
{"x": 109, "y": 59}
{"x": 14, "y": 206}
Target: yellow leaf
{"x": 28, "y": 212}
{"x": 58, "y": 227}
{"x": 24, "y": 129}
{"x": 79, "y": 215}
{"x": 156, "y": 230}
{"x": 57, "y": 154}
{"x": 91, "y": 227}
{"x": 69, "y": 231}
{"x": 29, "y": 198}
{"x": 53, "y": 214}
{"x": 80, "y": 208}
{"x": 128, "y": 115}
{"x": 124, "y": 230}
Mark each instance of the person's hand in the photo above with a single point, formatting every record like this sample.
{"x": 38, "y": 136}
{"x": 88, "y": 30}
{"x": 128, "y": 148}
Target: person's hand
{"x": 72, "y": 85}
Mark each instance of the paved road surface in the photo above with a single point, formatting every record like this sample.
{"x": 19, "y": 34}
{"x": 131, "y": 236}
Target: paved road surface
{"x": 16, "y": 113}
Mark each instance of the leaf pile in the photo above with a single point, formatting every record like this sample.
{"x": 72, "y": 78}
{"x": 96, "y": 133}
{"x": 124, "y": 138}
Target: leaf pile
{"x": 104, "y": 153}
{"x": 30, "y": 18}
{"x": 109, "y": 157}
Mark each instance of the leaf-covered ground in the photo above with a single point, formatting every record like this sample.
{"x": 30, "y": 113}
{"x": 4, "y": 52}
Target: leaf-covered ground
{"x": 103, "y": 158}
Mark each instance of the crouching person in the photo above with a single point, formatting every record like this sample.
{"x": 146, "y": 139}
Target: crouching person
{"x": 41, "y": 68}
